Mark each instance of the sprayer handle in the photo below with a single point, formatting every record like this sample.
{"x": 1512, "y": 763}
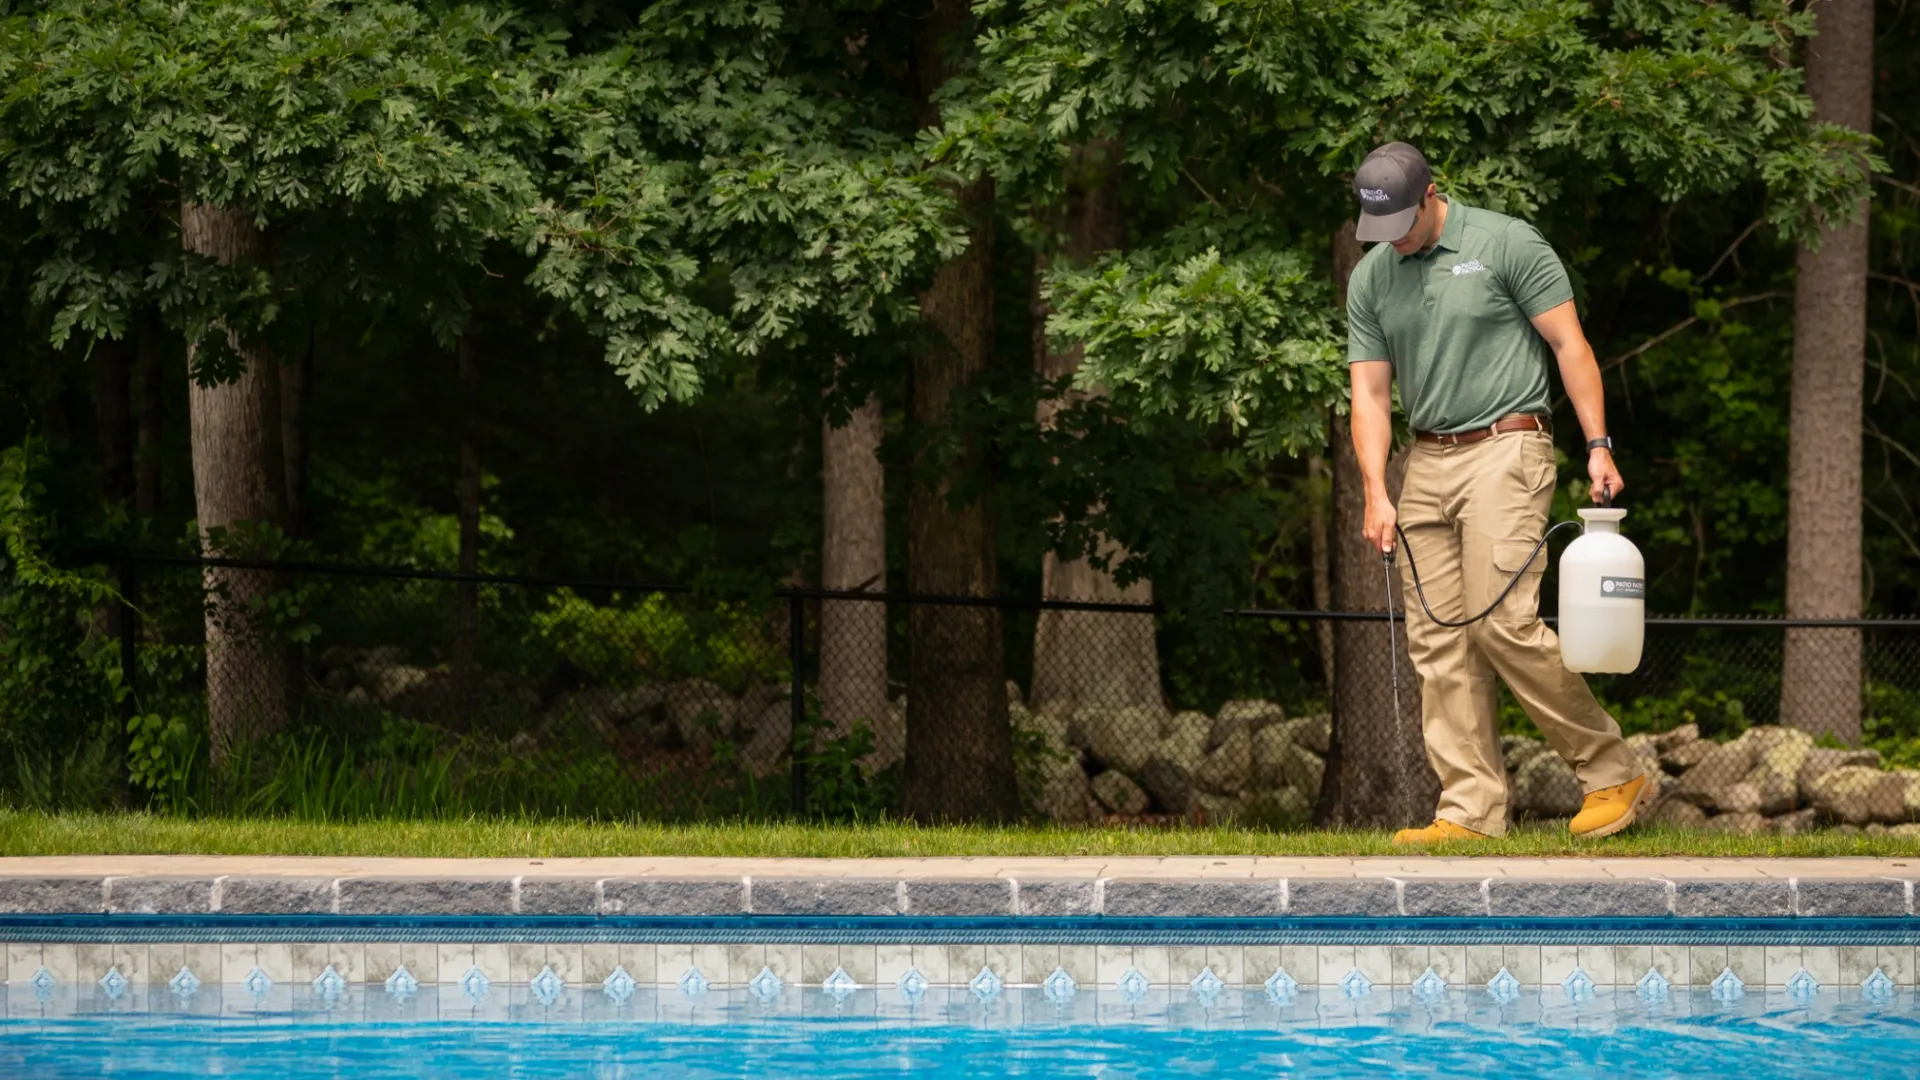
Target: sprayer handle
{"x": 1606, "y": 497}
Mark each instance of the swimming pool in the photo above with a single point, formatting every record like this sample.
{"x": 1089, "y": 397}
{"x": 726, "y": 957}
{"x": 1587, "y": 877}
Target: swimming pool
{"x": 1178, "y": 967}
{"x": 940, "y": 1032}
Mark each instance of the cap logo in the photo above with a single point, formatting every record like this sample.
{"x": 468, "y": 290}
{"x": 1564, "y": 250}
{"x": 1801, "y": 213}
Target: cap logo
{"x": 1373, "y": 194}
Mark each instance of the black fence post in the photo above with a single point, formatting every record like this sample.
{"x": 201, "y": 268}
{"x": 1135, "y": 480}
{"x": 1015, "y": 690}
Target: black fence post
{"x": 797, "y": 703}
{"x": 129, "y": 582}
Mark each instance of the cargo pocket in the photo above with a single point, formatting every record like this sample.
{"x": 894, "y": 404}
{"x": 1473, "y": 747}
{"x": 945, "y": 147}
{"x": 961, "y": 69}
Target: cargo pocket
{"x": 1508, "y": 555}
{"x": 1522, "y": 605}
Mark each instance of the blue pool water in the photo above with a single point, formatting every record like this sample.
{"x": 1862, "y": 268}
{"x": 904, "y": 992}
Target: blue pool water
{"x": 440, "y": 1032}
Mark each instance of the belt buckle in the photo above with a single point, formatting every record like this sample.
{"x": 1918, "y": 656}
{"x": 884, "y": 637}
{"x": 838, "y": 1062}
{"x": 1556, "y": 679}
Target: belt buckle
{"x": 1452, "y": 439}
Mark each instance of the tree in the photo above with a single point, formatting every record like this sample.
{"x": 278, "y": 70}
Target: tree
{"x": 1089, "y": 658}
{"x": 959, "y": 764}
{"x": 1820, "y": 681}
{"x": 853, "y": 557}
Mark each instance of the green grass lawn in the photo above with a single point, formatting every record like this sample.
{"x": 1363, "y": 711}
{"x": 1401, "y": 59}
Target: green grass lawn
{"x": 28, "y": 833}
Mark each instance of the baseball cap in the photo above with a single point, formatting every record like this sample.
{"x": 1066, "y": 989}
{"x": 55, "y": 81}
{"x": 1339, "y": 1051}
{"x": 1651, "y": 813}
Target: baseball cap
{"x": 1390, "y": 184}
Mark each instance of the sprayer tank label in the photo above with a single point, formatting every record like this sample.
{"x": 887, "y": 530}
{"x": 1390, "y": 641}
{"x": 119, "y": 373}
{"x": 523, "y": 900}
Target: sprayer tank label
{"x": 1623, "y": 588}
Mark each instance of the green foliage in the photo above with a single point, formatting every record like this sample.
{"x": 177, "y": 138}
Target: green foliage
{"x": 657, "y": 641}
{"x": 163, "y": 753}
{"x": 60, "y": 681}
{"x": 841, "y": 784}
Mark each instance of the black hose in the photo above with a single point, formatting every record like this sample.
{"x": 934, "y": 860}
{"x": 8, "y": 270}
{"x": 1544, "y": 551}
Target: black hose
{"x": 1414, "y": 569}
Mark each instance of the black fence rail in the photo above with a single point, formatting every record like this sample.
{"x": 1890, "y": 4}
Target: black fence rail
{"x": 344, "y": 691}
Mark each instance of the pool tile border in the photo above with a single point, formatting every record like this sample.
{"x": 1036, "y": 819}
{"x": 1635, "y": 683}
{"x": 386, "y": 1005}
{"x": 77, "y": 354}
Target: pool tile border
{"x": 1129, "y": 896}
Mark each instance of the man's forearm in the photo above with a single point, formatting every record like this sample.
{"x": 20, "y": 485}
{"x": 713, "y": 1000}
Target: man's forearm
{"x": 1580, "y": 374}
{"x": 1372, "y": 432}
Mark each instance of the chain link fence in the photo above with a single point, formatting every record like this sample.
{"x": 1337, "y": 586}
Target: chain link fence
{"x": 356, "y": 692}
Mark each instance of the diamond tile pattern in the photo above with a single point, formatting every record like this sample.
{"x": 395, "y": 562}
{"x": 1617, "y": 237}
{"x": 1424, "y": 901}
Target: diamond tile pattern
{"x": 402, "y": 983}
{"x": 1356, "y": 985}
{"x": 1727, "y": 986}
{"x": 257, "y": 983}
{"x": 840, "y": 985}
{"x": 619, "y": 986}
{"x": 113, "y": 983}
{"x": 547, "y": 986}
{"x": 986, "y": 986}
{"x": 913, "y": 985}
{"x": 1654, "y": 986}
{"x": 1059, "y": 987}
{"x": 43, "y": 980}
{"x": 1579, "y": 985}
{"x": 693, "y": 983}
{"x": 1878, "y": 986}
{"x": 1429, "y": 986}
{"x": 766, "y": 986}
{"x": 184, "y": 982}
{"x": 328, "y": 984}
{"x": 475, "y": 983}
{"x": 1133, "y": 985}
{"x": 1801, "y": 984}
{"x": 1281, "y": 987}
{"x": 1207, "y": 986}
{"x": 1504, "y": 987}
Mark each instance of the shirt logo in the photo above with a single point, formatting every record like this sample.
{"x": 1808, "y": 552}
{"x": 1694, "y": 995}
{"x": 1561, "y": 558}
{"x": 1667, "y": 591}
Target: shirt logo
{"x": 1471, "y": 266}
{"x": 1373, "y": 194}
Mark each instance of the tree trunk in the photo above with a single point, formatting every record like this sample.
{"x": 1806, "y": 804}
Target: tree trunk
{"x": 1377, "y": 773}
{"x": 853, "y": 556}
{"x": 238, "y": 477}
{"x": 296, "y": 386}
{"x": 113, "y": 410}
{"x": 146, "y": 477}
{"x": 1820, "y": 684}
{"x": 959, "y": 743}
{"x": 1088, "y": 658}
{"x": 1319, "y": 526}
{"x": 466, "y": 601}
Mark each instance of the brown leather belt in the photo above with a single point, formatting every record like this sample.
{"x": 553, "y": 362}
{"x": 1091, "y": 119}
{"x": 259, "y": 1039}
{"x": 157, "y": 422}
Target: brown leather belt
{"x": 1520, "y": 422}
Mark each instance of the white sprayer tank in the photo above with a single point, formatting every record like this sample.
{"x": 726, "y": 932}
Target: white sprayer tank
{"x": 1603, "y": 589}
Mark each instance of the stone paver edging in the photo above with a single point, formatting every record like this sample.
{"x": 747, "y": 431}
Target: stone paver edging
{"x": 965, "y": 887}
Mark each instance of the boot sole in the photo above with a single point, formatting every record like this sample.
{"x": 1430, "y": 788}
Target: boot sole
{"x": 1640, "y": 802}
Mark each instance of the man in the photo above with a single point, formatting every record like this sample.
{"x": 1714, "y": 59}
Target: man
{"x": 1463, "y": 307}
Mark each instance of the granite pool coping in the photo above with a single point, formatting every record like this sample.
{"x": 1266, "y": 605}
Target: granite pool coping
{"x": 1026, "y": 887}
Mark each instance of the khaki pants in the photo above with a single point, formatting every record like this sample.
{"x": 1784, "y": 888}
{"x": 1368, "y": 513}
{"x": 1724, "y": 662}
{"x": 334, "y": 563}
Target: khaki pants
{"x": 1471, "y": 515}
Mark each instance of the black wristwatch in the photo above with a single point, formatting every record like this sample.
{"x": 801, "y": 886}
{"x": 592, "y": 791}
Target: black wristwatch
{"x": 1601, "y": 443}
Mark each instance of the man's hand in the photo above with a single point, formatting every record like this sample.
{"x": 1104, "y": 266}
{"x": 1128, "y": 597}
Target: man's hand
{"x": 1600, "y": 470}
{"x": 1378, "y": 526}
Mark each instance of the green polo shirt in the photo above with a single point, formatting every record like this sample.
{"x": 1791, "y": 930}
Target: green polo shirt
{"x": 1454, "y": 319}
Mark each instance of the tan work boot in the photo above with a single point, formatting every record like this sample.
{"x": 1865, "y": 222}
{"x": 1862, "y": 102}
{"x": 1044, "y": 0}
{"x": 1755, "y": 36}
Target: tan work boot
{"x": 1610, "y": 810}
{"x": 1435, "y": 833}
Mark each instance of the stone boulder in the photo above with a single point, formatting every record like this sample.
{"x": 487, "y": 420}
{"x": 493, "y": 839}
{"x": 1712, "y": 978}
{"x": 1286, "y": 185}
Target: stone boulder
{"x": 1251, "y": 713}
{"x": 392, "y": 681}
{"x": 700, "y": 711}
{"x": 1278, "y": 808}
{"x": 1820, "y": 761}
{"x": 1859, "y": 795}
{"x": 1677, "y": 814}
{"x": 1740, "y": 798}
{"x": 1269, "y": 748}
{"x": 1720, "y": 767}
{"x": 1168, "y": 771}
{"x": 1646, "y": 748}
{"x": 1302, "y": 769}
{"x": 1797, "y": 822}
{"x": 1520, "y": 749}
{"x": 1065, "y": 796}
{"x": 1776, "y": 773}
{"x": 1313, "y": 733}
{"x": 768, "y": 750}
{"x": 1680, "y": 758}
{"x": 1677, "y": 737}
{"x": 1210, "y": 809}
{"x": 1225, "y": 769}
{"x": 1547, "y": 787}
{"x": 1743, "y": 824}
{"x": 1118, "y": 793}
{"x": 1125, "y": 737}
{"x": 614, "y": 705}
